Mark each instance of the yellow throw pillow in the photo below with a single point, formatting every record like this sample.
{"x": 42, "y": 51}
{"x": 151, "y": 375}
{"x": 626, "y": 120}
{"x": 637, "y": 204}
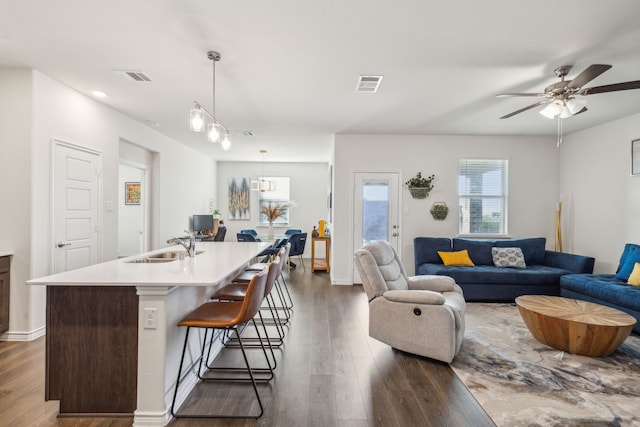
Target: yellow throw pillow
{"x": 634, "y": 278}
{"x": 456, "y": 258}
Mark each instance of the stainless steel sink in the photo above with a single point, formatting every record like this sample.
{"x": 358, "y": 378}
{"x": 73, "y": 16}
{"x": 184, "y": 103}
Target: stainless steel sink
{"x": 161, "y": 257}
{"x": 150, "y": 260}
{"x": 172, "y": 255}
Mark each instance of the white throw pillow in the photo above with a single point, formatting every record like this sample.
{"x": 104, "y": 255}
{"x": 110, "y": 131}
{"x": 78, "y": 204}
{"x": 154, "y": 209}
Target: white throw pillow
{"x": 508, "y": 257}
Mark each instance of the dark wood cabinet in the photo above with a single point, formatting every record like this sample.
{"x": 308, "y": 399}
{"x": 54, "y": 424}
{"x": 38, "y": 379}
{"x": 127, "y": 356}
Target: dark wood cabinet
{"x": 92, "y": 349}
{"x": 5, "y": 286}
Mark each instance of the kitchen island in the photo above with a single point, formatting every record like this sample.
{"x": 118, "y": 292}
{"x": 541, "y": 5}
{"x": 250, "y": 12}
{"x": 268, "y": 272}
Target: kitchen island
{"x": 112, "y": 342}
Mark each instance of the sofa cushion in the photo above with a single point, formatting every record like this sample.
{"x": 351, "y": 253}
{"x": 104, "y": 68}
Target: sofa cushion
{"x": 426, "y": 249}
{"x": 634, "y": 278}
{"x": 508, "y": 257}
{"x": 456, "y": 258}
{"x": 603, "y": 287}
{"x": 532, "y": 275}
{"x": 629, "y": 247}
{"x": 533, "y": 248}
{"x": 630, "y": 256}
{"x": 479, "y": 250}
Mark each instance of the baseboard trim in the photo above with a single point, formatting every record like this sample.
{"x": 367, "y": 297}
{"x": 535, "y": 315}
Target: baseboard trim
{"x": 24, "y": 336}
{"x": 151, "y": 419}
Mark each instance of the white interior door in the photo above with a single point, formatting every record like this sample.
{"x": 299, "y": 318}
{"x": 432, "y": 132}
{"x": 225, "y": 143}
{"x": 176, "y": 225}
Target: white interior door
{"x": 376, "y": 207}
{"x": 76, "y": 175}
{"x": 132, "y": 216}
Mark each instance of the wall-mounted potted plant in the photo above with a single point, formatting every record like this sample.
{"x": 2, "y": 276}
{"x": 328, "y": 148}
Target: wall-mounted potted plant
{"x": 439, "y": 210}
{"x": 419, "y": 186}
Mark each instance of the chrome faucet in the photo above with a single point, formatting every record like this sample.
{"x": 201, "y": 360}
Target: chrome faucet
{"x": 191, "y": 249}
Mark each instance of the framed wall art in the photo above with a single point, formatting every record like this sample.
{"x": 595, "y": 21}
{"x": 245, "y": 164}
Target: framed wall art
{"x": 238, "y": 200}
{"x": 635, "y": 157}
{"x": 131, "y": 193}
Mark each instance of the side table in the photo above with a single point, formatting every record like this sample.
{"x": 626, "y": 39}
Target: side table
{"x": 320, "y": 263}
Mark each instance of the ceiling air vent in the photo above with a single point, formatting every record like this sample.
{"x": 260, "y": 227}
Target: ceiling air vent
{"x": 136, "y": 76}
{"x": 368, "y": 84}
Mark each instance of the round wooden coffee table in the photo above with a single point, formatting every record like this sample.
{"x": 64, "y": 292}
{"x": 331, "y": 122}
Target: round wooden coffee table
{"x": 575, "y": 326}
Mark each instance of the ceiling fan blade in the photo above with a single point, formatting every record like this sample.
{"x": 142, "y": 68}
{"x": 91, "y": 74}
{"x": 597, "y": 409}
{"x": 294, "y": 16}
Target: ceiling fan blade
{"x": 507, "y": 95}
{"x": 611, "y": 88}
{"x": 581, "y": 111}
{"x": 526, "y": 108}
{"x": 587, "y": 75}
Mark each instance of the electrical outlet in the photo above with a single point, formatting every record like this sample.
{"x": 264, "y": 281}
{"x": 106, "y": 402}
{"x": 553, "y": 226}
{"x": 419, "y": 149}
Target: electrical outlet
{"x": 150, "y": 318}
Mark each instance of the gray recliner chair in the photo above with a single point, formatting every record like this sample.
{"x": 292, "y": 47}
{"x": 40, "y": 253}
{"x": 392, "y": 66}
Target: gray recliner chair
{"x": 423, "y": 315}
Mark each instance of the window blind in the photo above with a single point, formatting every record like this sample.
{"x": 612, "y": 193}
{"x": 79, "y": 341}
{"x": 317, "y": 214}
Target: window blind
{"x": 482, "y": 196}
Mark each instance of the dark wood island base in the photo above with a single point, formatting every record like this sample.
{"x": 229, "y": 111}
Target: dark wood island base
{"x": 92, "y": 349}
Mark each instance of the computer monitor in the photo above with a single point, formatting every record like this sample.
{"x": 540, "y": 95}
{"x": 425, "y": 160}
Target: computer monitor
{"x": 202, "y": 223}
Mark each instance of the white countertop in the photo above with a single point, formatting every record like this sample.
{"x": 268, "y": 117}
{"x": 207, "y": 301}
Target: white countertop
{"x": 213, "y": 265}
{"x": 6, "y": 253}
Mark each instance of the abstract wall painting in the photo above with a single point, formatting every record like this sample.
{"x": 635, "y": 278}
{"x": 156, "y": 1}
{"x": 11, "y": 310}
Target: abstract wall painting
{"x": 239, "y": 208}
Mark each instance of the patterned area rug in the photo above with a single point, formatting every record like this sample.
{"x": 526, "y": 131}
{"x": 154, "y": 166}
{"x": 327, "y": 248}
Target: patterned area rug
{"x": 522, "y": 382}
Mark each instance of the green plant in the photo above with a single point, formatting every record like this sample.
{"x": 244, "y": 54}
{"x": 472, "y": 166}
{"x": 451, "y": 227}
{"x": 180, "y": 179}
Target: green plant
{"x": 419, "y": 186}
{"x": 420, "y": 181}
{"x": 439, "y": 210}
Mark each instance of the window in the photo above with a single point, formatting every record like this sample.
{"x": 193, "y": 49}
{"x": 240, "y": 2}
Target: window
{"x": 482, "y": 196}
{"x": 279, "y": 196}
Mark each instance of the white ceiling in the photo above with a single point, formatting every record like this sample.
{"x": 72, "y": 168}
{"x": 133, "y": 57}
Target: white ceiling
{"x": 289, "y": 67}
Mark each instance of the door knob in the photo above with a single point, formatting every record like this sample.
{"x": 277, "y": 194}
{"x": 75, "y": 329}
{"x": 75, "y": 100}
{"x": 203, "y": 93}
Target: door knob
{"x": 63, "y": 244}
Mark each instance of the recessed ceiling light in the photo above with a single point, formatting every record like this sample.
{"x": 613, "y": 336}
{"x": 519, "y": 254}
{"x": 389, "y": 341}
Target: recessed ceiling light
{"x": 98, "y": 93}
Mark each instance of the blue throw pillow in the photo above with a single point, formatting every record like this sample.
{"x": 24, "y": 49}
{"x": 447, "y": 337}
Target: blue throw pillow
{"x": 629, "y": 247}
{"x": 533, "y": 249}
{"x": 479, "y": 250}
{"x": 630, "y": 256}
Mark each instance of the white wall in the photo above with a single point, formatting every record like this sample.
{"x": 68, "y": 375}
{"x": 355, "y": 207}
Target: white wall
{"x": 308, "y": 188}
{"x": 533, "y": 185}
{"x": 37, "y": 109}
{"x": 16, "y": 109}
{"x": 602, "y": 198}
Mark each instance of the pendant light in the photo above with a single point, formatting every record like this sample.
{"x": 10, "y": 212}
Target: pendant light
{"x": 261, "y": 184}
{"x": 216, "y": 131}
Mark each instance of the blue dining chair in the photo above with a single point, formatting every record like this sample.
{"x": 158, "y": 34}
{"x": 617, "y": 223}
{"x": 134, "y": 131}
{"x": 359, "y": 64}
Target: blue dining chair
{"x": 298, "y": 242}
{"x": 251, "y": 232}
{"x": 269, "y": 252}
{"x": 292, "y": 231}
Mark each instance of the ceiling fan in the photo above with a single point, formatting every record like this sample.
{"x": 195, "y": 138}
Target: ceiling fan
{"x": 564, "y": 97}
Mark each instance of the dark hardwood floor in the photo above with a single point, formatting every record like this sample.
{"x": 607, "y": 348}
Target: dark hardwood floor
{"x": 330, "y": 373}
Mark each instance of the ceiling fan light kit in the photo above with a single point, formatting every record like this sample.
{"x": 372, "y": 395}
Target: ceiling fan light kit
{"x": 216, "y": 131}
{"x": 564, "y": 109}
{"x": 562, "y": 98}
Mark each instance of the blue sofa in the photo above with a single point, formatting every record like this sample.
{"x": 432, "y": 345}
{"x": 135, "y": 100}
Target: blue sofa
{"x": 486, "y": 282}
{"x": 608, "y": 289}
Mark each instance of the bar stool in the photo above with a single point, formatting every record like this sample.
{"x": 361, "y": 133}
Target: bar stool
{"x": 236, "y": 291}
{"x": 228, "y": 316}
{"x": 246, "y": 276}
{"x": 284, "y": 289}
